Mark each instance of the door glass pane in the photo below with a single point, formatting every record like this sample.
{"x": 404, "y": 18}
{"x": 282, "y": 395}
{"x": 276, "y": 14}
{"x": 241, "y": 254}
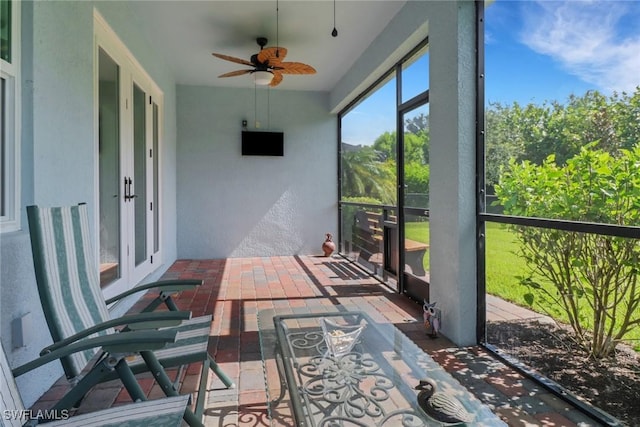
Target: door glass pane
{"x": 369, "y": 175}
{"x": 368, "y": 159}
{"x": 5, "y": 30}
{"x": 140, "y": 174}
{"x": 156, "y": 205}
{"x": 416, "y": 195}
{"x": 109, "y": 164}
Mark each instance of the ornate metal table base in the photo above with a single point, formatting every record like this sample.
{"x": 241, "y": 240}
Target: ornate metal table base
{"x": 372, "y": 385}
{"x": 350, "y": 388}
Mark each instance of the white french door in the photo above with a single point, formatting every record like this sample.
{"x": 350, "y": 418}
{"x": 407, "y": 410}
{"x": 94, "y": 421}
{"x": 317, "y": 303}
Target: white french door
{"x": 128, "y": 116}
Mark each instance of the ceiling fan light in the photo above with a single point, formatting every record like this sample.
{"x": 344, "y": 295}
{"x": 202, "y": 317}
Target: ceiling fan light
{"x": 262, "y": 78}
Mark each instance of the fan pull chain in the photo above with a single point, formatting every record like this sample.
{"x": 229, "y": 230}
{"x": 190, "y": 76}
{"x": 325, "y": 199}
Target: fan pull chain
{"x": 277, "y": 30}
{"x": 334, "y": 33}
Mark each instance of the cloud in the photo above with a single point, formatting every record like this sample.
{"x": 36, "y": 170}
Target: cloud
{"x": 588, "y": 38}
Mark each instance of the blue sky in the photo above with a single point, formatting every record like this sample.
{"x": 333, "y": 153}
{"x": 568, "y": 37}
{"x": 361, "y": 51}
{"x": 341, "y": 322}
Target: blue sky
{"x": 537, "y": 51}
{"x": 547, "y": 50}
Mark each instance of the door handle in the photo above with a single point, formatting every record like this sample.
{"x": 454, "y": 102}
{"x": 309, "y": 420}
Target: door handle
{"x": 127, "y": 189}
{"x": 131, "y": 196}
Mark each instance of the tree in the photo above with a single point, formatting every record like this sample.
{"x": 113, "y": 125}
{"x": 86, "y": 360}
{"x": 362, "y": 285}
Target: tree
{"x": 385, "y": 144}
{"x": 417, "y": 124}
{"x": 416, "y": 179}
{"x": 414, "y": 148}
{"x": 533, "y": 132}
{"x": 593, "y": 278}
{"x": 416, "y": 141}
{"x": 503, "y": 141}
{"x": 364, "y": 174}
{"x": 371, "y": 171}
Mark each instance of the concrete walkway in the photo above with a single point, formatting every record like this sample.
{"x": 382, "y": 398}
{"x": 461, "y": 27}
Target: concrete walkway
{"x": 236, "y": 289}
{"x": 501, "y": 310}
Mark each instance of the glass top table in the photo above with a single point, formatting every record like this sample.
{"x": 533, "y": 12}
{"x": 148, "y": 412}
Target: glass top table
{"x": 371, "y": 384}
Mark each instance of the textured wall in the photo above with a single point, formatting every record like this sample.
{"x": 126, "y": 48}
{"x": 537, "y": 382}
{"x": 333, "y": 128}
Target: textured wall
{"x": 59, "y": 164}
{"x": 19, "y": 297}
{"x": 232, "y": 205}
{"x": 453, "y": 157}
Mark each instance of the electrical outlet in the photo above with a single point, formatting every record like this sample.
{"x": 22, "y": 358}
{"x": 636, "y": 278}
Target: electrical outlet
{"x": 21, "y": 330}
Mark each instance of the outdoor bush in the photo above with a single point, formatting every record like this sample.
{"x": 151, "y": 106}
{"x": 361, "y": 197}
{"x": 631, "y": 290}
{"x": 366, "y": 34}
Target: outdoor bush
{"x": 593, "y": 278}
{"x": 416, "y": 177}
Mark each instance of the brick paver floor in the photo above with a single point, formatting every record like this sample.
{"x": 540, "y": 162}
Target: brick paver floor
{"x": 235, "y": 289}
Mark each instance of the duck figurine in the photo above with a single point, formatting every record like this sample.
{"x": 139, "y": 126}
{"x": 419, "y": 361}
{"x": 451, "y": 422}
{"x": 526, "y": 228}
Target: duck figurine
{"x": 441, "y": 406}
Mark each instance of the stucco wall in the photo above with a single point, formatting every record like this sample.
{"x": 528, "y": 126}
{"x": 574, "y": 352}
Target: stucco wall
{"x": 234, "y": 206}
{"x": 452, "y": 185}
{"x": 450, "y": 26}
{"x": 59, "y": 164}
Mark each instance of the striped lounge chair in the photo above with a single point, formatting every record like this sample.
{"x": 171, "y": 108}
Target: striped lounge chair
{"x": 69, "y": 288}
{"x": 165, "y": 412}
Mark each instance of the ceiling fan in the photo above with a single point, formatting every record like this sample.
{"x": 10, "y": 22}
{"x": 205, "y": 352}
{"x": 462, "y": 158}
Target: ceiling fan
{"x": 268, "y": 67}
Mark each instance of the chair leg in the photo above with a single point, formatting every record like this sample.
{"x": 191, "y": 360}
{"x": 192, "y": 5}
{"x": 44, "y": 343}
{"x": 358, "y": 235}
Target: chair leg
{"x": 130, "y": 382}
{"x": 223, "y": 377}
{"x": 204, "y": 377}
{"x": 164, "y": 298}
{"x": 152, "y": 305}
{"x": 167, "y": 386}
{"x": 171, "y": 305}
{"x": 77, "y": 393}
{"x": 210, "y": 363}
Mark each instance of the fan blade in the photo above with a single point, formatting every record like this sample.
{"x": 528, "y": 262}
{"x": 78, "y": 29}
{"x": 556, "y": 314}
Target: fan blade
{"x": 274, "y": 55}
{"x": 295, "y": 68}
{"x": 277, "y": 78}
{"x": 232, "y": 59}
{"x": 235, "y": 73}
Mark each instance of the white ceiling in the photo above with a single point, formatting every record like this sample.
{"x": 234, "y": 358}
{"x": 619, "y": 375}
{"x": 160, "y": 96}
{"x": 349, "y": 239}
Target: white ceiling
{"x": 189, "y": 31}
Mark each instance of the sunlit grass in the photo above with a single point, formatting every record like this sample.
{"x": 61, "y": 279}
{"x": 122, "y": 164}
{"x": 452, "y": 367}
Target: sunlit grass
{"x": 504, "y": 265}
{"x": 504, "y": 270}
{"x": 419, "y": 231}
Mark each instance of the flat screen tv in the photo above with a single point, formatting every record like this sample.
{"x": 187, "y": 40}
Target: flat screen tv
{"x": 262, "y": 143}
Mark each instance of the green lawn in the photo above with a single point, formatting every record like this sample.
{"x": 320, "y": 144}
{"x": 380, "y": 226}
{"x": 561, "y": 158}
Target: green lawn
{"x": 419, "y": 231}
{"x": 503, "y": 268}
{"x": 503, "y": 265}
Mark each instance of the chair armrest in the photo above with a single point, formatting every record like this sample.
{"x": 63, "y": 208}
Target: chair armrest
{"x": 134, "y": 341}
{"x": 166, "y": 286}
{"x": 155, "y": 320}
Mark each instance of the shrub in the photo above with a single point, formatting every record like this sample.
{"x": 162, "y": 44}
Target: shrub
{"x": 593, "y": 278}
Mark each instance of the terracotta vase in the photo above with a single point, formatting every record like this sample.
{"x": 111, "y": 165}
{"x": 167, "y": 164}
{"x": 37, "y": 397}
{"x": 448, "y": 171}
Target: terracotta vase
{"x": 328, "y": 246}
